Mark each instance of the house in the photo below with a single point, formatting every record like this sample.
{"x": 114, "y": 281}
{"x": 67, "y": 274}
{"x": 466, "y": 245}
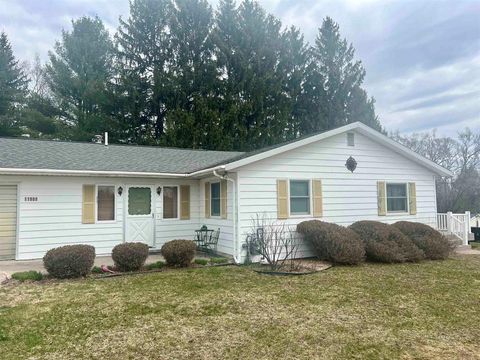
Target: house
{"x": 55, "y": 193}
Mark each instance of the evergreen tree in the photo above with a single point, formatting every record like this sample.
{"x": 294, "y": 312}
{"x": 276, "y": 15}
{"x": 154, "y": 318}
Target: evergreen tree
{"x": 13, "y": 88}
{"x": 344, "y": 100}
{"x": 144, "y": 53}
{"x": 193, "y": 116}
{"x": 79, "y": 76}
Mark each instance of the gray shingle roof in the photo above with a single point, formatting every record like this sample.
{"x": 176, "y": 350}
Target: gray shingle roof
{"x": 59, "y": 155}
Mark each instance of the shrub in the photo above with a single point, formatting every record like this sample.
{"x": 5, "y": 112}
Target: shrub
{"x": 27, "y": 275}
{"x": 179, "y": 252}
{"x": 155, "y": 265}
{"x": 129, "y": 256}
{"x": 218, "y": 260}
{"x": 333, "y": 242}
{"x": 434, "y": 245}
{"x": 385, "y": 243}
{"x": 69, "y": 261}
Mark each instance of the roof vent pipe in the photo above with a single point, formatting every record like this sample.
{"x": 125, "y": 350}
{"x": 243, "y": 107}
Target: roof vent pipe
{"x": 106, "y": 138}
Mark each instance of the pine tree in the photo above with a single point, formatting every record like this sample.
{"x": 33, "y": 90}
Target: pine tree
{"x": 341, "y": 75}
{"x": 143, "y": 55}
{"x": 13, "y": 88}
{"x": 79, "y": 76}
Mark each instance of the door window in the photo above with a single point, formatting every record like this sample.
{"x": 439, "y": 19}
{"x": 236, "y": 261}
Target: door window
{"x": 139, "y": 201}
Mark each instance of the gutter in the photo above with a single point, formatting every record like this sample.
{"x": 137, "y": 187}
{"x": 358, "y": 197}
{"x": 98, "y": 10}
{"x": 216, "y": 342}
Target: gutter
{"x": 236, "y": 256}
{"x": 19, "y": 171}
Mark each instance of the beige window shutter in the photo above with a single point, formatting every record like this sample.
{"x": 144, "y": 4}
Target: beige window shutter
{"x": 317, "y": 198}
{"x": 223, "y": 199}
{"x": 282, "y": 199}
{"x": 184, "y": 202}
{"x": 412, "y": 198}
{"x": 381, "y": 198}
{"x": 207, "y": 199}
{"x": 88, "y": 204}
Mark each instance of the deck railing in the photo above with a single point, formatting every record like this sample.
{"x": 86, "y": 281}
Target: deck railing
{"x": 455, "y": 224}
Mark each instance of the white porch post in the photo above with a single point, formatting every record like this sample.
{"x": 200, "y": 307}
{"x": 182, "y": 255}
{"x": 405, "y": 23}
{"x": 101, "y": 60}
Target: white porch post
{"x": 449, "y": 222}
{"x": 467, "y": 227}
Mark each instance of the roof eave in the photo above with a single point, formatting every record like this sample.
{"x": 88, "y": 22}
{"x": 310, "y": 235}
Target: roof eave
{"x": 20, "y": 171}
{"x": 358, "y": 126}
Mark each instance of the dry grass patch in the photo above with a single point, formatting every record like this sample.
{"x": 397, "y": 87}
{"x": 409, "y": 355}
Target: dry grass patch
{"x": 425, "y": 310}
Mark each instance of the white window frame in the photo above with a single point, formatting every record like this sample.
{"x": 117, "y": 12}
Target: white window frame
{"x": 309, "y": 199}
{"x": 398, "y": 212}
{"x": 219, "y": 199}
{"x": 178, "y": 202}
{"x": 114, "y": 205}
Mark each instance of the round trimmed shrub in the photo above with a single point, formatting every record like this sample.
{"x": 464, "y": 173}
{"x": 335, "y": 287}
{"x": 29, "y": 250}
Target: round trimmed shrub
{"x": 433, "y": 243}
{"x": 130, "y": 256}
{"x": 69, "y": 261}
{"x": 178, "y": 252}
{"x": 333, "y": 242}
{"x": 385, "y": 243}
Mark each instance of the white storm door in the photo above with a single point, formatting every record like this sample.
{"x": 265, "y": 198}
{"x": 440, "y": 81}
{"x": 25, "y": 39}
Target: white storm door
{"x": 140, "y": 217}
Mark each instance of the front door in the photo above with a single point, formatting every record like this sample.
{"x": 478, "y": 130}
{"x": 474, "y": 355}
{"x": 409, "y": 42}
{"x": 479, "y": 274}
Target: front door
{"x": 140, "y": 216}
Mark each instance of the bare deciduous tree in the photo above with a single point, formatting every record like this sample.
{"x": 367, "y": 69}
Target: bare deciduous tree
{"x": 461, "y": 156}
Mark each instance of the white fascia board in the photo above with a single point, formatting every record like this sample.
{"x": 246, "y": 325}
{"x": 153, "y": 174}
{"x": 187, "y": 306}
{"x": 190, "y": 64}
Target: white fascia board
{"x": 288, "y": 147}
{"x": 403, "y": 150}
{"x": 57, "y": 172}
{"x": 361, "y": 128}
{"x": 15, "y": 171}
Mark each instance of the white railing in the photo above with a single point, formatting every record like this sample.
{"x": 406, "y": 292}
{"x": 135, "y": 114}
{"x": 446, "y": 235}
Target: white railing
{"x": 455, "y": 224}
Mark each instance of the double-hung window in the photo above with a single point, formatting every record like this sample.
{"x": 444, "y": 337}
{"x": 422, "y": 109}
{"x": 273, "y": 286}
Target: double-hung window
{"x": 105, "y": 203}
{"x": 397, "y": 198}
{"x": 215, "y": 199}
{"x": 299, "y": 197}
{"x": 170, "y": 202}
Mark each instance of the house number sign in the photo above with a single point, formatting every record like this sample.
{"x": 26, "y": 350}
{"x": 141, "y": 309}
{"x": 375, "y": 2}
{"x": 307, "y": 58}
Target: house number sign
{"x": 31, "y": 198}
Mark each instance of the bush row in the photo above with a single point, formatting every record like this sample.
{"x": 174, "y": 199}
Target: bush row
{"x": 71, "y": 261}
{"x": 374, "y": 241}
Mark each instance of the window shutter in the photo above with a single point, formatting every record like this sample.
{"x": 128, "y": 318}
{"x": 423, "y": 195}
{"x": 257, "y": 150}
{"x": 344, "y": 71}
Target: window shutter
{"x": 223, "y": 199}
{"x": 207, "y": 199}
{"x": 317, "y": 198}
{"x": 184, "y": 202}
{"x": 282, "y": 199}
{"x": 381, "y": 198}
{"x": 88, "y": 204}
{"x": 412, "y": 198}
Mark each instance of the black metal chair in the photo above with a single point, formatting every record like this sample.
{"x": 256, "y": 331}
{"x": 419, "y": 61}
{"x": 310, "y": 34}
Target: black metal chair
{"x": 211, "y": 242}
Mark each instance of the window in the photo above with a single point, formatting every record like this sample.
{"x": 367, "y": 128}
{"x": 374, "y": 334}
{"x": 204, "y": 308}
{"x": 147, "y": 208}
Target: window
{"x": 105, "y": 203}
{"x": 397, "y": 200}
{"x": 170, "y": 202}
{"x": 299, "y": 197}
{"x": 350, "y": 139}
{"x": 215, "y": 199}
{"x": 139, "y": 201}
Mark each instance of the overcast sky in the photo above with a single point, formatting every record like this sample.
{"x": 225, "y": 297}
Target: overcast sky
{"x": 422, "y": 57}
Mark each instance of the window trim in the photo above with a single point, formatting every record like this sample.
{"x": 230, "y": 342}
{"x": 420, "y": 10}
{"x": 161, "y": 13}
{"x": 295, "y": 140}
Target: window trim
{"x": 290, "y": 214}
{"x": 178, "y": 202}
{"x": 219, "y": 216}
{"x": 114, "y": 205}
{"x": 397, "y": 212}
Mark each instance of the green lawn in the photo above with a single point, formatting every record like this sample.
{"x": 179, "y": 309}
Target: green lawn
{"x": 428, "y": 310}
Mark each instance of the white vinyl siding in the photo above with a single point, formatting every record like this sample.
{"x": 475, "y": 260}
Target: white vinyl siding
{"x": 347, "y": 197}
{"x": 56, "y": 218}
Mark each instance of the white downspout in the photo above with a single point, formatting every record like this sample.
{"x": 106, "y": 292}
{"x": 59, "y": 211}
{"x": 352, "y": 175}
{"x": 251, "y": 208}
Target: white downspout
{"x": 236, "y": 258}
